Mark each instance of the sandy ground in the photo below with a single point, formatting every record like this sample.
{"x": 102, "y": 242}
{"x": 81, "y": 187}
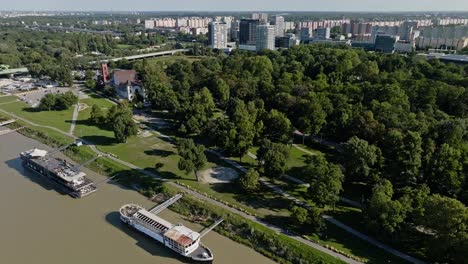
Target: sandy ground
{"x": 218, "y": 175}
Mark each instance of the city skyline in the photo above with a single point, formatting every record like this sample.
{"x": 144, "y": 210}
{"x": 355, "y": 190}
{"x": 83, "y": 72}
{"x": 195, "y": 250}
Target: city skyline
{"x": 239, "y": 5}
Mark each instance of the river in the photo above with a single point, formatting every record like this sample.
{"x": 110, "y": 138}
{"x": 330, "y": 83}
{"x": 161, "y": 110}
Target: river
{"x": 39, "y": 225}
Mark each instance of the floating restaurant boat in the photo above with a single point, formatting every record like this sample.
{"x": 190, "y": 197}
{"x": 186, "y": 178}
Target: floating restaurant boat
{"x": 177, "y": 237}
{"x": 66, "y": 176}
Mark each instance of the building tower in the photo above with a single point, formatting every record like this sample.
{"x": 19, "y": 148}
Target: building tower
{"x": 265, "y": 37}
{"x": 248, "y": 31}
{"x": 279, "y": 26}
{"x": 217, "y": 35}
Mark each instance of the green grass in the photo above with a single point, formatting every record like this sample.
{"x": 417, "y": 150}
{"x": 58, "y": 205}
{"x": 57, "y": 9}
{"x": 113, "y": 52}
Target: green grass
{"x": 57, "y": 119}
{"x": 124, "y": 46}
{"x": 8, "y": 98}
{"x": 171, "y": 59}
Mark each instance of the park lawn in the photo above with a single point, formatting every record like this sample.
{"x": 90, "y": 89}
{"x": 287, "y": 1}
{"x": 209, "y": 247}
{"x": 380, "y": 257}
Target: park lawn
{"x": 8, "y": 98}
{"x": 124, "y": 46}
{"x": 171, "y": 59}
{"x": 57, "y": 119}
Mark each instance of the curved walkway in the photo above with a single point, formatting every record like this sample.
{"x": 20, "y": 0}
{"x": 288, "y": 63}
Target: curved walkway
{"x": 199, "y": 196}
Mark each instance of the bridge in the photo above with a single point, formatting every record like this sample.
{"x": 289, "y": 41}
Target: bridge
{"x": 14, "y": 71}
{"x": 147, "y": 55}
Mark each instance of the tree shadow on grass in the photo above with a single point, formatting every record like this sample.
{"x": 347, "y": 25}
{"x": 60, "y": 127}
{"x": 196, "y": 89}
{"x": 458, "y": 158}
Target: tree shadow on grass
{"x": 100, "y": 140}
{"x": 159, "y": 152}
{"x": 260, "y": 199}
{"x": 33, "y": 109}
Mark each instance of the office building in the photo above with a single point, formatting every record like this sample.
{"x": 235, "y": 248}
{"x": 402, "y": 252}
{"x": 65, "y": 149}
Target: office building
{"x": 248, "y": 31}
{"x": 265, "y": 37}
{"x": 323, "y": 33}
{"x": 385, "y": 43}
{"x": 217, "y": 35}
{"x": 279, "y": 26}
{"x": 306, "y": 34}
{"x": 287, "y": 41}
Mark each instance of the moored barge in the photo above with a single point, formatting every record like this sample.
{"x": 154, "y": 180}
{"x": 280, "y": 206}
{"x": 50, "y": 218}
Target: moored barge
{"x": 62, "y": 173}
{"x": 177, "y": 237}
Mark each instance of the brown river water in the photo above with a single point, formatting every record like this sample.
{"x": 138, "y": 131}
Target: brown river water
{"x": 39, "y": 225}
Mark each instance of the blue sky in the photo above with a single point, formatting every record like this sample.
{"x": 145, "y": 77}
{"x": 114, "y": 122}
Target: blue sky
{"x": 237, "y": 5}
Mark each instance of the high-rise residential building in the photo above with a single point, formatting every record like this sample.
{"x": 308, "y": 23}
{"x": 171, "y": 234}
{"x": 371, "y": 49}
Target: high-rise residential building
{"x": 149, "y": 24}
{"x": 248, "y": 31}
{"x": 323, "y": 33}
{"x": 306, "y": 34}
{"x": 279, "y": 26}
{"x": 217, "y": 35}
{"x": 262, "y": 17}
{"x": 265, "y": 37}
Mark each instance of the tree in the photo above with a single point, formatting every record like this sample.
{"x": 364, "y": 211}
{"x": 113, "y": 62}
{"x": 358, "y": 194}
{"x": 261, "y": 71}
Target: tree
{"x": 325, "y": 180}
{"x": 121, "y": 121}
{"x": 446, "y": 171}
{"x": 249, "y": 180}
{"x": 90, "y": 82}
{"x": 272, "y": 158}
{"x": 199, "y": 111}
{"x": 47, "y": 102}
{"x": 278, "y": 128}
{"x": 65, "y": 100}
{"x": 300, "y": 215}
{"x": 447, "y": 218}
{"x": 242, "y": 129}
{"x": 381, "y": 212}
{"x": 403, "y": 153}
{"x": 361, "y": 160}
{"x": 96, "y": 115}
{"x": 192, "y": 156}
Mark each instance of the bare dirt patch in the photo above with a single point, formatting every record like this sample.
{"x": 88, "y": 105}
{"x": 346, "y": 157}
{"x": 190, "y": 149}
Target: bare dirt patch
{"x": 218, "y": 175}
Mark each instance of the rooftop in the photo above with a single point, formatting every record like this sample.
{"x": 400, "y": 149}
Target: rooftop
{"x": 182, "y": 235}
{"x": 61, "y": 168}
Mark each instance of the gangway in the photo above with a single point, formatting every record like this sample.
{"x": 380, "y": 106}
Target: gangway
{"x": 87, "y": 162}
{"x": 7, "y": 122}
{"x": 59, "y": 149}
{"x": 215, "y": 224}
{"x": 108, "y": 179}
{"x": 158, "y": 208}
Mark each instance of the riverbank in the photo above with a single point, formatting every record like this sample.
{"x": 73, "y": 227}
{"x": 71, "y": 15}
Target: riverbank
{"x": 44, "y": 226}
{"x": 286, "y": 250}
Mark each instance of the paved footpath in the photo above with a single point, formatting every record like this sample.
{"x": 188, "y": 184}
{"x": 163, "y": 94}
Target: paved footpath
{"x": 201, "y": 197}
{"x": 328, "y": 218}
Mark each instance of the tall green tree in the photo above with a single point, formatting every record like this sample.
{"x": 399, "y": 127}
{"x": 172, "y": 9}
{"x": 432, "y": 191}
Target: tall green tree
{"x": 325, "y": 180}
{"x": 121, "y": 121}
{"x": 361, "y": 160}
{"x": 277, "y": 126}
{"x": 249, "y": 180}
{"x": 446, "y": 171}
{"x": 272, "y": 158}
{"x": 192, "y": 156}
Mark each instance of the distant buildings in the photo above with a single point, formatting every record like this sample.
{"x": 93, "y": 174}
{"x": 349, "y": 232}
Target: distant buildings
{"x": 218, "y": 35}
{"x": 287, "y": 41}
{"x": 127, "y": 84}
{"x": 262, "y": 17}
{"x": 306, "y": 35}
{"x": 265, "y": 38}
{"x": 385, "y": 43}
{"x": 279, "y": 26}
{"x": 248, "y": 31}
{"x": 323, "y": 33}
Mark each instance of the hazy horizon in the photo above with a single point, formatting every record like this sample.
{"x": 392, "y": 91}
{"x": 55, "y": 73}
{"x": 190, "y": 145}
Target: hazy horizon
{"x": 239, "y": 6}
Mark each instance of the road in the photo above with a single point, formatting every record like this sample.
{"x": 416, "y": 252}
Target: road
{"x": 197, "y": 195}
